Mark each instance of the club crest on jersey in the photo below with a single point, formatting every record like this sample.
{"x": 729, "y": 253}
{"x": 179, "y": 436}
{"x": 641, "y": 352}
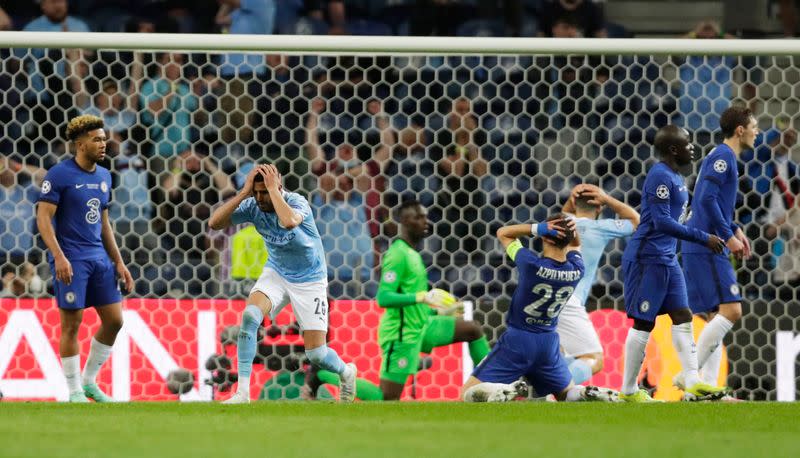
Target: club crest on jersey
{"x": 720, "y": 166}
{"x": 46, "y": 186}
{"x": 70, "y": 297}
{"x": 103, "y": 186}
{"x": 735, "y": 290}
{"x": 662, "y": 191}
{"x": 644, "y": 306}
{"x": 619, "y": 223}
{"x": 390, "y": 276}
{"x": 402, "y": 363}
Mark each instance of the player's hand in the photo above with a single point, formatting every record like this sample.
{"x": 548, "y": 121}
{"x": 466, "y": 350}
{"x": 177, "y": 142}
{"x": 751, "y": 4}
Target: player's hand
{"x": 597, "y": 195}
{"x": 125, "y": 275}
{"x": 63, "y": 270}
{"x": 456, "y": 309}
{"x": 436, "y": 298}
{"x": 272, "y": 178}
{"x": 715, "y": 244}
{"x": 741, "y": 237}
{"x": 247, "y": 189}
{"x": 736, "y": 247}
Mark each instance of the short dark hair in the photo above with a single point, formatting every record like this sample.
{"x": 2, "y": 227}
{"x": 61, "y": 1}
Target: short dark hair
{"x": 82, "y": 124}
{"x": 569, "y": 235}
{"x": 407, "y": 205}
{"x": 667, "y": 136}
{"x": 582, "y": 203}
{"x": 733, "y": 117}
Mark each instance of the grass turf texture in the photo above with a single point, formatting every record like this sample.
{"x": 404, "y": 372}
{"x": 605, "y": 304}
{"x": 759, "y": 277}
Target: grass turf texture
{"x": 409, "y": 430}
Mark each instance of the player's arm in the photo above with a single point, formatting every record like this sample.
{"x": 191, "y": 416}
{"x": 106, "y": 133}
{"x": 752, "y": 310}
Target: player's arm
{"x": 221, "y": 218}
{"x": 664, "y": 223}
{"x": 45, "y": 212}
{"x": 110, "y": 244}
{"x": 287, "y": 216}
{"x": 393, "y": 269}
{"x": 508, "y": 234}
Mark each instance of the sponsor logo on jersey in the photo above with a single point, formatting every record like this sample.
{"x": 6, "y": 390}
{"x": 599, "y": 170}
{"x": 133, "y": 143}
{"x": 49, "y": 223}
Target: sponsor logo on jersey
{"x": 79, "y": 186}
{"x": 662, "y": 191}
{"x": 720, "y": 166}
{"x": 46, "y": 187}
{"x": 402, "y": 363}
{"x": 389, "y": 276}
{"x": 644, "y": 306}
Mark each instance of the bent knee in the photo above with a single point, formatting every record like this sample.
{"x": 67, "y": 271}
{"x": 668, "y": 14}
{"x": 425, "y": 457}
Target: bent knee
{"x": 732, "y": 311}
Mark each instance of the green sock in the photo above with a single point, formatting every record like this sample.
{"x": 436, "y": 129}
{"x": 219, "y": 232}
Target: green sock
{"x": 365, "y": 390}
{"x": 478, "y": 349}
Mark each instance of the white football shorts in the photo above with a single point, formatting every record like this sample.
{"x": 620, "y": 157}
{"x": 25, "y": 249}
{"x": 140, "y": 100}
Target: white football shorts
{"x": 575, "y": 330}
{"x": 309, "y": 300}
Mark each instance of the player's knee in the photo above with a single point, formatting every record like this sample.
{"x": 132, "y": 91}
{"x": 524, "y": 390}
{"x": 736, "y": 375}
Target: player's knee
{"x": 642, "y": 325}
{"x": 597, "y": 365}
{"x": 473, "y": 332}
{"x": 252, "y": 314}
{"x": 70, "y": 329}
{"x": 681, "y": 316}
{"x": 113, "y": 326}
{"x": 733, "y": 312}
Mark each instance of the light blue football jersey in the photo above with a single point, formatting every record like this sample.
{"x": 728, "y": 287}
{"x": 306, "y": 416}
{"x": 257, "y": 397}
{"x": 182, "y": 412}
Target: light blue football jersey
{"x": 595, "y": 235}
{"x": 297, "y": 254}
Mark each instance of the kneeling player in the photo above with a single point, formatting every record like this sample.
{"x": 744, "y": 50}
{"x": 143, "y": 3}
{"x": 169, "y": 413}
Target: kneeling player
{"x": 530, "y": 345}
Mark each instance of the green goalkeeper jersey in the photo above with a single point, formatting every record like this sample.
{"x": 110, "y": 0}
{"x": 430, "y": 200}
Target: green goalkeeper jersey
{"x": 403, "y": 275}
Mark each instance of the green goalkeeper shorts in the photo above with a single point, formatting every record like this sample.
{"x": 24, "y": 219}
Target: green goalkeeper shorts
{"x": 401, "y": 359}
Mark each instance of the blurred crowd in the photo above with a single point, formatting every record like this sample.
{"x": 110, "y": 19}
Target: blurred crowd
{"x": 479, "y": 140}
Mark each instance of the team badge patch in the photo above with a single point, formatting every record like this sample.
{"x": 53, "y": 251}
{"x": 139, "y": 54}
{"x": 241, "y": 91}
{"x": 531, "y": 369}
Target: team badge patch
{"x": 735, "y": 290}
{"x": 402, "y": 363}
{"x": 46, "y": 186}
{"x": 720, "y": 166}
{"x": 103, "y": 186}
{"x": 662, "y": 191}
{"x": 70, "y": 297}
{"x": 644, "y": 306}
{"x": 619, "y": 223}
{"x": 390, "y": 276}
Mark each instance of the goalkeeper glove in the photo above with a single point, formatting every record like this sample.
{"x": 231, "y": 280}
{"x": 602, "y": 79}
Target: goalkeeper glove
{"x": 436, "y": 298}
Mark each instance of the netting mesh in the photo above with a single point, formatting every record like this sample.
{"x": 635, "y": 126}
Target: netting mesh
{"x": 481, "y": 141}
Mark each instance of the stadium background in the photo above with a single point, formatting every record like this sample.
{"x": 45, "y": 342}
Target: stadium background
{"x": 480, "y": 140}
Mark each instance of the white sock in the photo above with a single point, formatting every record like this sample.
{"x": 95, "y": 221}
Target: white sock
{"x": 635, "y": 345}
{"x": 488, "y": 392}
{"x": 575, "y": 394}
{"x": 683, "y": 341}
{"x": 98, "y": 355}
{"x": 711, "y": 338}
{"x": 244, "y": 386}
{"x": 710, "y": 372}
{"x": 72, "y": 372}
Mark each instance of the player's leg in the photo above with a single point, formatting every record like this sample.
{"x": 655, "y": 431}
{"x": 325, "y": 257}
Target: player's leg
{"x": 104, "y": 293}
{"x": 644, "y": 290}
{"x": 497, "y": 377}
{"x": 446, "y": 330}
{"x": 71, "y": 300}
{"x": 709, "y": 344}
{"x": 400, "y": 360}
{"x": 579, "y": 341}
{"x": 310, "y": 306}
{"x": 366, "y": 390}
{"x": 258, "y": 305}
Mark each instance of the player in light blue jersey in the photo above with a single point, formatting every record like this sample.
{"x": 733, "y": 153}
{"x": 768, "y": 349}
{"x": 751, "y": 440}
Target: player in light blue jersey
{"x": 72, "y": 217}
{"x": 710, "y": 278}
{"x": 578, "y": 337}
{"x": 295, "y": 272}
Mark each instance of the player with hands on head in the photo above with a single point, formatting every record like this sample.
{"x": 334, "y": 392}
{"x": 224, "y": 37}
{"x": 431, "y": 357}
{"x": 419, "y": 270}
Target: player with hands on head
{"x": 295, "y": 272}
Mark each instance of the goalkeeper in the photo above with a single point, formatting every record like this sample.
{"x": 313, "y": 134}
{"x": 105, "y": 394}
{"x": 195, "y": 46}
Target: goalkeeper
{"x": 416, "y": 319}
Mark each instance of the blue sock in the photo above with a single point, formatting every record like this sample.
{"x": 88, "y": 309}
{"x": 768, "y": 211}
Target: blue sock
{"x": 246, "y": 343}
{"x": 580, "y": 370}
{"x": 326, "y": 358}
{"x": 569, "y": 359}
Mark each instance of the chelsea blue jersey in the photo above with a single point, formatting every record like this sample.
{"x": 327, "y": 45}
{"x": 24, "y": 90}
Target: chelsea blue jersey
{"x": 663, "y": 211}
{"x": 544, "y": 287}
{"x": 81, "y": 197}
{"x": 296, "y": 254}
{"x": 714, "y": 199}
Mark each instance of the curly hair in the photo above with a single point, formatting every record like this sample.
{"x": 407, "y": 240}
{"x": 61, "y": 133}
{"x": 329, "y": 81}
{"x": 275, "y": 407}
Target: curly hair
{"x": 82, "y": 124}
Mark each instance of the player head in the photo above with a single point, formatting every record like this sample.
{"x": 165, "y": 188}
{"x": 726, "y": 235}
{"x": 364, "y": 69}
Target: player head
{"x": 87, "y": 132}
{"x": 260, "y": 193}
{"x": 559, "y": 243}
{"x": 673, "y": 145}
{"x": 584, "y": 207}
{"x": 739, "y": 127}
{"x": 413, "y": 217}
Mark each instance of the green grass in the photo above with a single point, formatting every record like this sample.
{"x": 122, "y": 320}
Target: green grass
{"x": 410, "y": 430}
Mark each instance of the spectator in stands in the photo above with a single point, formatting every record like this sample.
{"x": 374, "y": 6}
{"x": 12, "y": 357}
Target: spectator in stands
{"x": 167, "y": 105}
{"x": 25, "y": 283}
{"x": 706, "y": 86}
{"x": 330, "y": 11}
{"x": 342, "y": 221}
{"x": 587, "y": 17}
{"x": 112, "y": 105}
{"x": 18, "y": 194}
{"x": 439, "y": 17}
{"x": 5, "y": 21}
{"x": 776, "y": 186}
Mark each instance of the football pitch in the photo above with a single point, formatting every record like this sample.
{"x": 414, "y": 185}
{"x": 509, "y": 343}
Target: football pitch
{"x": 409, "y": 430}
